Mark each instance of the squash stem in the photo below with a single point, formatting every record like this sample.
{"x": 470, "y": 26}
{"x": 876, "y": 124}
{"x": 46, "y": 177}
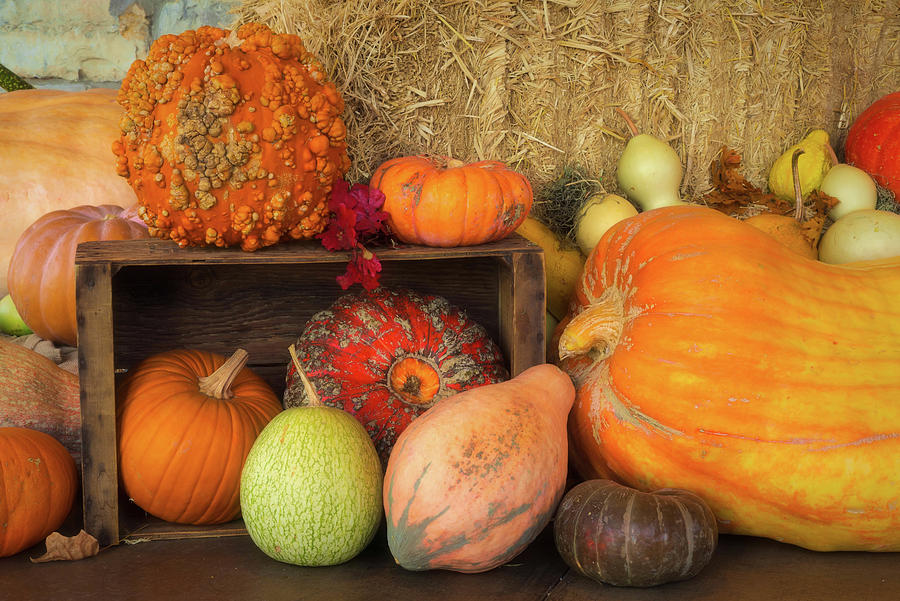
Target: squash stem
{"x": 798, "y": 193}
{"x": 631, "y": 126}
{"x": 596, "y": 330}
{"x": 218, "y": 384}
{"x": 312, "y": 397}
{"x": 831, "y": 154}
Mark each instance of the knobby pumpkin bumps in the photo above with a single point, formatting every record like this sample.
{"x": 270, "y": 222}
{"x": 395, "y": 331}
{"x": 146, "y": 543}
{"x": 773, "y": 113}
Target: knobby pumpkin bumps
{"x": 231, "y": 138}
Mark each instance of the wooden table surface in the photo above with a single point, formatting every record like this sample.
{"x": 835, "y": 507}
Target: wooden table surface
{"x": 227, "y": 568}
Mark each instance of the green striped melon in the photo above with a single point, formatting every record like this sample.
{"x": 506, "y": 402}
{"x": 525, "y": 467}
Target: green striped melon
{"x": 311, "y": 487}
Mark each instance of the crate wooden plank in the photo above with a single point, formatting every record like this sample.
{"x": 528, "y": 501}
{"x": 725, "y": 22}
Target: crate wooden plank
{"x": 141, "y": 297}
{"x": 522, "y": 311}
{"x": 98, "y": 401}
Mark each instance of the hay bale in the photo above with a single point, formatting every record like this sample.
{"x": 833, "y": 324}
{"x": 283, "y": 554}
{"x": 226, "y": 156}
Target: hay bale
{"x": 534, "y": 83}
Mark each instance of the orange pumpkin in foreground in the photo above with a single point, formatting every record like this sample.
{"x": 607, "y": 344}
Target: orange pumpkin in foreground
{"x": 709, "y": 357}
{"x": 186, "y": 421}
{"x": 473, "y": 480}
{"x": 38, "y": 482}
{"x": 443, "y": 202}
{"x": 231, "y": 138}
{"x": 42, "y": 269}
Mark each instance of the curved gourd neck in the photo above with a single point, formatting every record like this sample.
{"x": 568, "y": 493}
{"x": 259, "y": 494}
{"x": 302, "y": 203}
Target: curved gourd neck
{"x": 597, "y": 329}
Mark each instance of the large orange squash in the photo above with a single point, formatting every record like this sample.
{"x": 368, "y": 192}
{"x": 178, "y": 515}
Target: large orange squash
{"x": 186, "y": 421}
{"x": 41, "y": 273}
{"x": 231, "y": 138}
{"x": 444, "y": 202}
{"x": 709, "y": 357}
{"x": 38, "y": 482}
{"x": 55, "y": 154}
{"x": 472, "y": 481}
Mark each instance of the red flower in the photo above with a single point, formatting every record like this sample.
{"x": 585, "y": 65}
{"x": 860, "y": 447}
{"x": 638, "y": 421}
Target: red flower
{"x": 356, "y": 212}
{"x": 341, "y": 231}
{"x": 363, "y": 268}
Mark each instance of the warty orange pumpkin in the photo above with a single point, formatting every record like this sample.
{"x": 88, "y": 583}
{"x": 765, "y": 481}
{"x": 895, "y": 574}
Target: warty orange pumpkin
{"x": 709, "y": 357}
{"x": 437, "y": 201}
{"x": 231, "y": 138}
{"x": 186, "y": 420}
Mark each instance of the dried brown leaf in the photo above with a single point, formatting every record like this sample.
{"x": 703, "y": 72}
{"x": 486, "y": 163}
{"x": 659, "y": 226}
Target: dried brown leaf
{"x": 68, "y": 548}
{"x": 733, "y": 194}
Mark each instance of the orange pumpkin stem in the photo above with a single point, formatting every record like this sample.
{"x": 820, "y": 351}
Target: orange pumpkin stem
{"x": 312, "y": 397}
{"x": 798, "y": 193}
{"x": 454, "y": 163}
{"x": 595, "y": 331}
{"x": 218, "y": 384}
{"x": 631, "y": 126}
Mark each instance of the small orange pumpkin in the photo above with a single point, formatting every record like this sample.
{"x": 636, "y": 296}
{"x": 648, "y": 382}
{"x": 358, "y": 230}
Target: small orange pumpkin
{"x": 186, "y": 421}
{"x": 231, "y": 138}
{"x": 443, "y": 202}
{"x": 38, "y": 481}
{"x": 41, "y": 274}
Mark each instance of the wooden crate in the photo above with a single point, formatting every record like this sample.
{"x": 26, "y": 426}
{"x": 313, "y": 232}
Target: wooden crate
{"x": 140, "y": 297}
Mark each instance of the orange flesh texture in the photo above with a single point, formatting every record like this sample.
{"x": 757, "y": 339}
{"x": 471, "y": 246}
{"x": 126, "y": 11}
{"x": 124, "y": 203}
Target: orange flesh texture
{"x": 453, "y": 206}
{"x": 181, "y": 451}
{"x": 242, "y": 144}
{"x": 774, "y": 381}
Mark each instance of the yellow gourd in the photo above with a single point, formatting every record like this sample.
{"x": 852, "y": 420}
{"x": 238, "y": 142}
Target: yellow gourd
{"x": 562, "y": 264}
{"x": 813, "y": 165}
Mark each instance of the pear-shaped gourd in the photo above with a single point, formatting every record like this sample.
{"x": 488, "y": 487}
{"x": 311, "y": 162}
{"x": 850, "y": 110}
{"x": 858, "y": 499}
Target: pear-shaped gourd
{"x": 472, "y": 481}
{"x": 598, "y": 214}
{"x": 814, "y": 163}
{"x": 649, "y": 171}
{"x": 854, "y": 188}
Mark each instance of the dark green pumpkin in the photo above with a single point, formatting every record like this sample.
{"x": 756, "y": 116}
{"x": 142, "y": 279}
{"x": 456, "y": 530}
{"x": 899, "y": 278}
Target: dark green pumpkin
{"x": 624, "y": 537}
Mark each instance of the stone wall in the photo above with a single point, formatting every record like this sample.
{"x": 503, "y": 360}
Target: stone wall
{"x": 76, "y": 44}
